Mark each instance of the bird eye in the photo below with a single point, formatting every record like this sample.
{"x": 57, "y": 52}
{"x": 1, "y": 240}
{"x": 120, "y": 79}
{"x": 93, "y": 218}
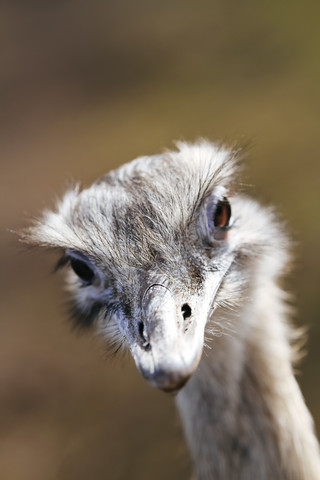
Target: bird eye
{"x": 81, "y": 269}
{"x": 222, "y": 214}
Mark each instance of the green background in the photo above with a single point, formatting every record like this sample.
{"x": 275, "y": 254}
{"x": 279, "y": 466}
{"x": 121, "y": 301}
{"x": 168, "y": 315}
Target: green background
{"x": 86, "y": 86}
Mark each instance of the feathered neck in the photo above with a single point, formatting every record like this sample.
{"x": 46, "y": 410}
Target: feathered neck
{"x": 242, "y": 411}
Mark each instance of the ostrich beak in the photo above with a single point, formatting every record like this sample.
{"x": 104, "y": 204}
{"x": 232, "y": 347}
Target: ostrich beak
{"x": 167, "y": 352}
{"x": 171, "y": 335}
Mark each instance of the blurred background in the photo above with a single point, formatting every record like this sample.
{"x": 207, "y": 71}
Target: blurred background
{"x": 86, "y": 86}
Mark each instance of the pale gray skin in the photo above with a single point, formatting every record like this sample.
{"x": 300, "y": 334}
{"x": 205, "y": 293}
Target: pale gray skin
{"x": 166, "y": 281}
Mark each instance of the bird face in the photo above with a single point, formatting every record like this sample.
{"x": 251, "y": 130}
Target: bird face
{"x": 149, "y": 248}
{"x": 160, "y": 308}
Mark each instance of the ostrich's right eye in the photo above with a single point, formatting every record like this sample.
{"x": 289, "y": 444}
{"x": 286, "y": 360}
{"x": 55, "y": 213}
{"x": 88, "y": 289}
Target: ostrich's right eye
{"x": 81, "y": 269}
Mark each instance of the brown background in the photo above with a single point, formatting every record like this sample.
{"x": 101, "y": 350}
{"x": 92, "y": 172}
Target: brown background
{"x": 86, "y": 86}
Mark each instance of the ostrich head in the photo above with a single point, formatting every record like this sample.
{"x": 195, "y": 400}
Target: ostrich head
{"x": 153, "y": 249}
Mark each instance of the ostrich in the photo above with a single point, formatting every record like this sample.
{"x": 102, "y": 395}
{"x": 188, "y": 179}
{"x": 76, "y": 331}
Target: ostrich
{"x": 167, "y": 258}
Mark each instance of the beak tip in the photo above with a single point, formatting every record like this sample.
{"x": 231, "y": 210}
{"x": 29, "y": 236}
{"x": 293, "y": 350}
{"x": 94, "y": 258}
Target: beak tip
{"x": 169, "y": 382}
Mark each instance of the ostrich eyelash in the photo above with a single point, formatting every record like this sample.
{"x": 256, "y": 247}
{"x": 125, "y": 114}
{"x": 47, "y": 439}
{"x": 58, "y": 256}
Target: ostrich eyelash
{"x": 62, "y": 262}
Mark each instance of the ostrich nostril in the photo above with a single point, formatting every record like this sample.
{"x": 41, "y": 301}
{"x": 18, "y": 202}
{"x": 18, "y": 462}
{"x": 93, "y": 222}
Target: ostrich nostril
{"x": 141, "y": 329}
{"x": 186, "y": 311}
{"x": 146, "y": 345}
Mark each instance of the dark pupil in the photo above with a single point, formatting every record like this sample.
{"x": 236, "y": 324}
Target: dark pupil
{"x": 222, "y": 214}
{"x": 82, "y": 270}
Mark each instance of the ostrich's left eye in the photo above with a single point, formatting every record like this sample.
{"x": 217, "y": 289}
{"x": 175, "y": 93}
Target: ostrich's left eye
{"x": 222, "y": 214}
{"x": 81, "y": 269}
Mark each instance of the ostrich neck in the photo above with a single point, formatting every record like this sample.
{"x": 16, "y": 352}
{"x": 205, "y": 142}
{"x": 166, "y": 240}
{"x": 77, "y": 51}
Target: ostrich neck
{"x": 242, "y": 411}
